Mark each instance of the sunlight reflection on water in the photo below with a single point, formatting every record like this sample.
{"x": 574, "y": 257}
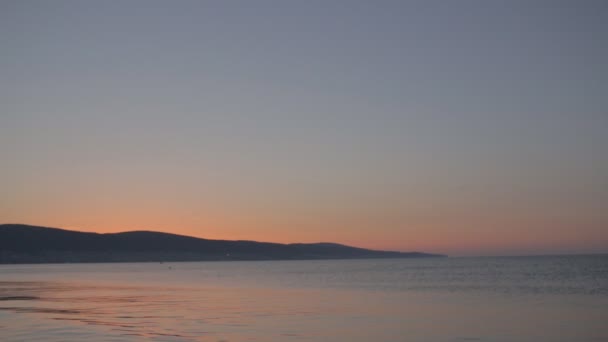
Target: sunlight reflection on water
{"x": 362, "y": 300}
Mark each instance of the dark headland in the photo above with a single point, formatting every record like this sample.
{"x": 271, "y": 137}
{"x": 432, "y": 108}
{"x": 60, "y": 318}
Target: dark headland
{"x": 31, "y": 244}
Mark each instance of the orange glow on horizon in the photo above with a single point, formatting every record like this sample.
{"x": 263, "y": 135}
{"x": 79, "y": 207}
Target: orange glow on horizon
{"x": 431, "y": 242}
{"x": 452, "y": 230}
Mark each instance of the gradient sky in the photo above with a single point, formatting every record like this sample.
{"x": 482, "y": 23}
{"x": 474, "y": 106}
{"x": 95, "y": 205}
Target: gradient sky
{"x": 459, "y": 127}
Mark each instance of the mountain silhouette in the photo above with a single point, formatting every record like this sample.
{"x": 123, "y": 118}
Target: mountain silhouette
{"x": 33, "y": 244}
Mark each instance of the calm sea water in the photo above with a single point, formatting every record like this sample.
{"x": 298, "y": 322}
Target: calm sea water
{"x": 453, "y": 299}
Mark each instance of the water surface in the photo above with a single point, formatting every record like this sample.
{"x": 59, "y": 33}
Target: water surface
{"x": 454, "y": 299}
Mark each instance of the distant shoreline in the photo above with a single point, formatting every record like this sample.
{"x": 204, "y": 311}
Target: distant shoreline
{"x": 23, "y": 244}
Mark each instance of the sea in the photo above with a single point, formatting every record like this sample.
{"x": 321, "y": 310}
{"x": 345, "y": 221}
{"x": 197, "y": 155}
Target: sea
{"x": 539, "y": 298}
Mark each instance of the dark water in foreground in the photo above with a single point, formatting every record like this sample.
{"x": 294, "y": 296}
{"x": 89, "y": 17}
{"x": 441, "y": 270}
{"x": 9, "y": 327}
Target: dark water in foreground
{"x": 456, "y": 299}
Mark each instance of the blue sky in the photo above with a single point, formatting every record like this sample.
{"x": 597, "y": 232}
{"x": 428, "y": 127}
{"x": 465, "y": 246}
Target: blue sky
{"x": 460, "y": 127}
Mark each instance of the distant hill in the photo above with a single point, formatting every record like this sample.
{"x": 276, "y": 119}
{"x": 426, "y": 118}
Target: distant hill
{"x": 31, "y": 244}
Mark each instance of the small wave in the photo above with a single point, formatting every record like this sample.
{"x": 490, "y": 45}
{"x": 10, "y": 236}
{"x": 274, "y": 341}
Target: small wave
{"x": 42, "y": 310}
{"x": 19, "y": 298}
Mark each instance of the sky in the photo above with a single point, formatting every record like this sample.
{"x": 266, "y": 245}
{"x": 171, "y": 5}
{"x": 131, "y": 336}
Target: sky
{"x": 457, "y": 127}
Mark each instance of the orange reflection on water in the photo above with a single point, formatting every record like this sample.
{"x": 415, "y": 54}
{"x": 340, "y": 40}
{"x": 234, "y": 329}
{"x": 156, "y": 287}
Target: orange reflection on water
{"x": 59, "y": 311}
